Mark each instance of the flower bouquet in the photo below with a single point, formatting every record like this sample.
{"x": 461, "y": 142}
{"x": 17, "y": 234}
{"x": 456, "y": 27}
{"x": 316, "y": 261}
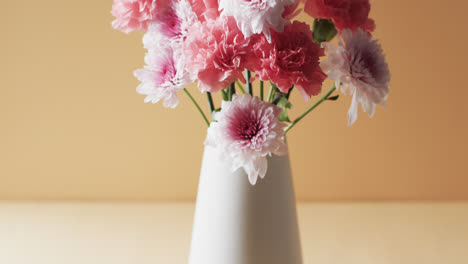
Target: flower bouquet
{"x": 226, "y": 46}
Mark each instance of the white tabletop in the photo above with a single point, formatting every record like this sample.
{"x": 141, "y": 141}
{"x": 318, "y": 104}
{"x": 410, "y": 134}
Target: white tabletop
{"x": 332, "y": 233}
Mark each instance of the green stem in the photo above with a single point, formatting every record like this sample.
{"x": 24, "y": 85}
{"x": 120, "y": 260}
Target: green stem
{"x": 310, "y": 109}
{"x": 271, "y": 92}
{"x": 261, "y": 90}
{"x": 210, "y": 102}
{"x": 289, "y": 92}
{"x": 232, "y": 90}
{"x": 240, "y": 87}
{"x": 248, "y": 85}
{"x": 197, "y": 106}
{"x": 224, "y": 95}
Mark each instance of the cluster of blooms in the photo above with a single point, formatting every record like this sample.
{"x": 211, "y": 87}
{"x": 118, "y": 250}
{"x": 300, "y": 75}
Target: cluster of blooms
{"x": 221, "y": 42}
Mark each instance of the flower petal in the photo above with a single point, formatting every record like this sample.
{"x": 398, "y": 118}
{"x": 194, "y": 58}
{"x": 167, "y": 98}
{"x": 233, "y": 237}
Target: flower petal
{"x": 353, "y": 110}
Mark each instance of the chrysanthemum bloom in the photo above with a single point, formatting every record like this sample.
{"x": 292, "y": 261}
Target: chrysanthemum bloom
{"x": 216, "y": 54}
{"x": 344, "y": 13}
{"x": 132, "y": 15}
{"x": 359, "y": 64}
{"x": 163, "y": 76}
{"x": 170, "y": 26}
{"x": 292, "y": 58}
{"x": 256, "y": 16}
{"x": 246, "y": 132}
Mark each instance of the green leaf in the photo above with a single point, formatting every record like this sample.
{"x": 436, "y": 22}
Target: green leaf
{"x": 333, "y": 98}
{"x": 284, "y": 104}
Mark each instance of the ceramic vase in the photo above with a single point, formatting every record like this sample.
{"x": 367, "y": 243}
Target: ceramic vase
{"x": 239, "y": 223}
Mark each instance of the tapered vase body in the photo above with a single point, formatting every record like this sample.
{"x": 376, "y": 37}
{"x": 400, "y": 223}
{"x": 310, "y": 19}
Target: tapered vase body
{"x": 237, "y": 223}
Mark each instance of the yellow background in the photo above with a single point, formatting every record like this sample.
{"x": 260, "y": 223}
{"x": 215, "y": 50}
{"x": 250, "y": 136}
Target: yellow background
{"x": 73, "y": 127}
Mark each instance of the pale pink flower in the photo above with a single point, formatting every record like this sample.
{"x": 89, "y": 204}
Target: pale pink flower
{"x": 163, "y": 76}
{"x": 245, "y": 132}
{"x": 359, "y": 66}
{"x": 292, "y": 58}
{"x": 132, "y": 15}
{"x": 166, "y": 71}
{"x": 170, "y": 26}
{"x": 256, "y": 16}
{"x": 216, "y": 54}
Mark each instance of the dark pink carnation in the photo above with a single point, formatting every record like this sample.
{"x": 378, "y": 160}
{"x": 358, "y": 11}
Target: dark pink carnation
{"x": 216, "y": 53}
{"x": 132, "y": 15}
{"x": 291, "y": 11}
{"x": 344, "y": 13}
{"x": 291, "y": 58}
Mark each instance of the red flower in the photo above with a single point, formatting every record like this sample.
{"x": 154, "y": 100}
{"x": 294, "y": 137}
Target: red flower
{"x": 344, "y": 13}
{"x": 291, "y": 58}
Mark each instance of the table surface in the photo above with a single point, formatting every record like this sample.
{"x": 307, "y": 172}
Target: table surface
{"x": 118, "y": 233}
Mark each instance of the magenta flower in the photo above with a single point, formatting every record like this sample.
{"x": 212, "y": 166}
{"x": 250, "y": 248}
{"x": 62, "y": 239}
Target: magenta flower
{"x": 292, "y": 58}
{"x": 245, "y": 132}
{"x": 216, "y": 54}
{"x": 344, "y": 13}
{"x": 132, "y": 15}
{"x": 359, "y": 66}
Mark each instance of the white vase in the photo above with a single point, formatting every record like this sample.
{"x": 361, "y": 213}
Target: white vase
{"x": 237, "y": 223}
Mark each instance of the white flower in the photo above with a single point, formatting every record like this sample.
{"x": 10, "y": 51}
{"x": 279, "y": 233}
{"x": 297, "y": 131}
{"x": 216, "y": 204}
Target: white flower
{"x": 256, "y": 16}
{"x": 164, "y": 75}
{"x": 359, "y": 66}
{"x": 246, "y": 132}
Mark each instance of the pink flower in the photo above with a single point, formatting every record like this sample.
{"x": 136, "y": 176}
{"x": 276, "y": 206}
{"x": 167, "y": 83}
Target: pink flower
{"x": 246, "y": 131}
{"x": 166, "y": 72}
{"x": 163, "y": 76}
{"x": 205, "y": 9}
{"x": 361, "y": 68}
{"x": 344, "y": 13}
{"x": 170, "y": 26}
{"x": 256, "y": 16}
{"x": 216, "y": 52}
{"x": 132, "y": 15}
{"x": 292, "y": 58}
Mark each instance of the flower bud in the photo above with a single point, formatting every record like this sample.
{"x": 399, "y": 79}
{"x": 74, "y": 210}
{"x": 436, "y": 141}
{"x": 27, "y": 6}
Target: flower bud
{"x": 324, "y": 30}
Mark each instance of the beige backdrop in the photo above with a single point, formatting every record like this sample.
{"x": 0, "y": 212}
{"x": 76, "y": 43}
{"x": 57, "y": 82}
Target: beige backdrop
{"x": 72, "y": 126}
